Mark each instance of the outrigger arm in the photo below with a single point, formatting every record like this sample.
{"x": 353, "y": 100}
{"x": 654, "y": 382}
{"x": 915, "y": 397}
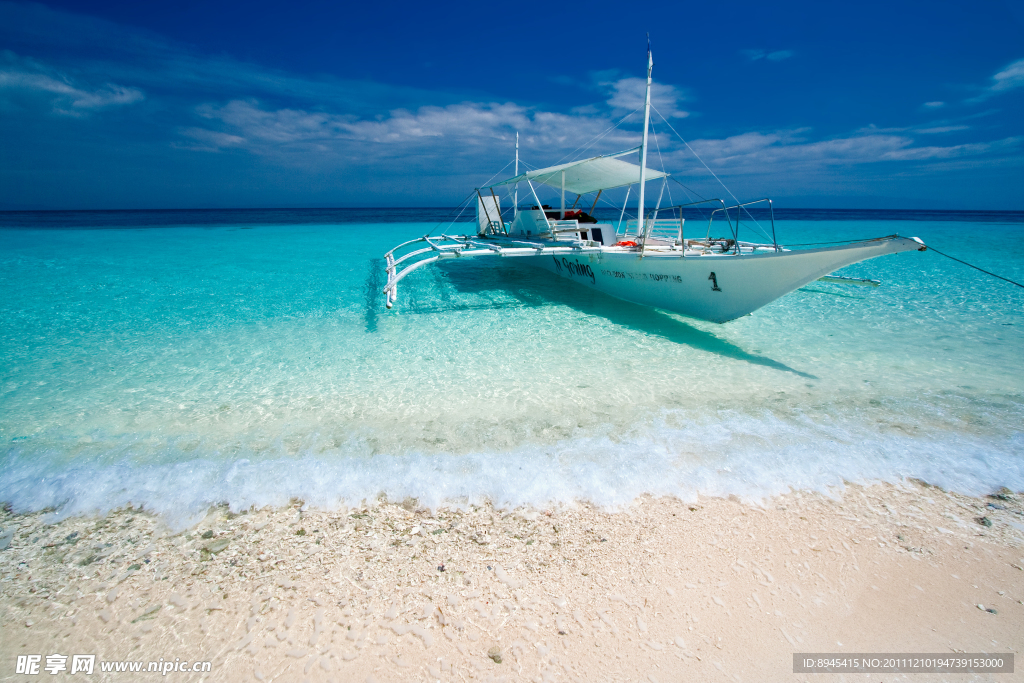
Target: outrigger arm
{"x": 464, "y": 246}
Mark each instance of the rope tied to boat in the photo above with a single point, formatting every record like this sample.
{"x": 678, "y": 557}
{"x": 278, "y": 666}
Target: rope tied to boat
{"x": 1000, "y": 277}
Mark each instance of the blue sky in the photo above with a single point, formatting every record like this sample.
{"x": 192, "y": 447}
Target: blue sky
{"x": 319, "y": 104}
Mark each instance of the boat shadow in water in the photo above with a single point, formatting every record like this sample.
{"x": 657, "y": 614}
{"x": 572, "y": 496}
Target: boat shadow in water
{"x": 372, "y": 293}
{"x": 440, "y": 294}
{"x": 533, "y": 287}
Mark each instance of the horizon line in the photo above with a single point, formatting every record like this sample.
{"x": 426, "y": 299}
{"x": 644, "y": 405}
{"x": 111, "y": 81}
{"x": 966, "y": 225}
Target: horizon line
{"x": 441, "y": 207}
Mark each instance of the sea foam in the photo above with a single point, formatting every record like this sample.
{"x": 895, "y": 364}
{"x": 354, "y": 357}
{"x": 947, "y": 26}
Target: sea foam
{"x": 752, "y": 457}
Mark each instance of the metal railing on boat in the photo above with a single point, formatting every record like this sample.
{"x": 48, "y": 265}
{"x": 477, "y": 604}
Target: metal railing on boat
{"x": 463, "y": 246}
{"x": 736, "y": 233}
{"x": 654, "y": 224}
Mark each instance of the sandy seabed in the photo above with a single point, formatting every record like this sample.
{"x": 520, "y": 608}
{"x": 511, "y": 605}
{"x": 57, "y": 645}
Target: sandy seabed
{"x": 665, "y": 590}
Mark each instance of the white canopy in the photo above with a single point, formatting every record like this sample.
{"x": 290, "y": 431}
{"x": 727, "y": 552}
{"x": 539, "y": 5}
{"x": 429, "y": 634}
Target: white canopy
{"x": 588, "y": 175}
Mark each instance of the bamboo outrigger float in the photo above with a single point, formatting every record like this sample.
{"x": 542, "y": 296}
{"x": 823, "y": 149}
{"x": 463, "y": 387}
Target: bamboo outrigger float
{"x": 653, "y": 262}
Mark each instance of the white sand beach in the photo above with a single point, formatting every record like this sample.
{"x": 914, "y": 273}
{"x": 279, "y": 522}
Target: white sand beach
{"x": 718, "y": 590}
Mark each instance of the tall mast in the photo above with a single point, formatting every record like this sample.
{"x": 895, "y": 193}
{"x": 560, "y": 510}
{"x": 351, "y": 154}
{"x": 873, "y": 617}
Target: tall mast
{"x": 515, "y": 201}
{"x": 643, "y": 146}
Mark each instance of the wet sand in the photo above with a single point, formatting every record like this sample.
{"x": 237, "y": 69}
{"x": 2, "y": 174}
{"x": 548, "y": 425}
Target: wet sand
{"x": 665, "y": 590}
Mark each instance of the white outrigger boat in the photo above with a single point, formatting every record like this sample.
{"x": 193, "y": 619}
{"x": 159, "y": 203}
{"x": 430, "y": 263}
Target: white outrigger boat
{"x": 653, "y": 262}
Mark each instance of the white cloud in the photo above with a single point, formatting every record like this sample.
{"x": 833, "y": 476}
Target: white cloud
{"x": 1009, "y": 78}
{"x": 482, "y": 133}
{"x": 627, "y": 94}
{"x": 789, "y": 150}
{"x": 66, "y": 96}
{"x": 210, "y": 140}
{"x": 458, "y": 129}
{"x": 940, "y": 129}
{"x": 954, "y": 151}
{"x": 775, "y": 56}
{"x": 283, "y": 126}
{"x": 161, "y": 68}
{"x": 469, "y": 122}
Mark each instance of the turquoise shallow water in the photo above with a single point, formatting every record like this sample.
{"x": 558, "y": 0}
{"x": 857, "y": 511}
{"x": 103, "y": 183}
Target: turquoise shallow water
{"x": 176, "y": 367}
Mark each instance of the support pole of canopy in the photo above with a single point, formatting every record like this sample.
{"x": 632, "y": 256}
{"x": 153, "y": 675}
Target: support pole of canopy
{"x": 682, "y": 242}
{"x": 541, "y": 207}
{"x": 595, "y": 202}
{"x": 657, "y": 207}
{"x": 515, "y": 200}
{"x": 500, "y": 220}
{"x": 562, "y": 216}
{"x": 654, "y": 219}
{"x": 643, "y": 146}
{"x": 618, "y": 230}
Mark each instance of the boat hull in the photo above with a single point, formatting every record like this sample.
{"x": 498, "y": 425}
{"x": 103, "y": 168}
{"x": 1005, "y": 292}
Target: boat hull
{"x": 717, "y": 288}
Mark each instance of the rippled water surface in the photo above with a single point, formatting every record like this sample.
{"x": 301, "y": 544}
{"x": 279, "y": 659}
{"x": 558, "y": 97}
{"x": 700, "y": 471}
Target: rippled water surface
{"x": 178, "y": 366}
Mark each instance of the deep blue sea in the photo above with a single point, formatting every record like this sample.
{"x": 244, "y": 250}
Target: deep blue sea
{"x": 179, "y": 359}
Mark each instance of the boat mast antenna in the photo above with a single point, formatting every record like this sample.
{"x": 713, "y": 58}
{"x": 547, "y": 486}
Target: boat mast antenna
{"x": 515, "y": 200}
{"x": 643, "y": 146}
